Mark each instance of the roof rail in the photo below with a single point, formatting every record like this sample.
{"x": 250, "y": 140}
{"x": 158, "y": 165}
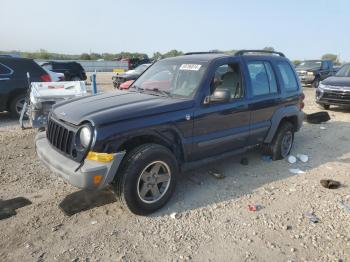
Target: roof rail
{"x": 242, "y": 52}
{"x": 203, "y": 53}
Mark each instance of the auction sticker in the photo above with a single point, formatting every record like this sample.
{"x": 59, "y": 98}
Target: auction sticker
{"x": 192, "y": 67}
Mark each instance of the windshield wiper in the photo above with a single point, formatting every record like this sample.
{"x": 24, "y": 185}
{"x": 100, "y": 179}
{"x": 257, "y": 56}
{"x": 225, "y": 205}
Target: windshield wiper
{"x": 165, "y": 93}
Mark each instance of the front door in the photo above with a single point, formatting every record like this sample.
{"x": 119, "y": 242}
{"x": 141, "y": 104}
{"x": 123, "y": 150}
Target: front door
{"x": 219, "y": 128}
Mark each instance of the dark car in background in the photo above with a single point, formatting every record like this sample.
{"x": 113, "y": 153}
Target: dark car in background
{"x": 129, "y": 75}
{"x": 73, "y": 71}
{"x": 312, "y": 72}
{"x": 14, "y": 82}
{"x": 335, "y": 90}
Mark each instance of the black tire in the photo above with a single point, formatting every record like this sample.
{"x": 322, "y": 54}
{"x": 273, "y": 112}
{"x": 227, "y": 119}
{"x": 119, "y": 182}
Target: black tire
{"x": 127, "y": 182}
{"x": 326, "y": 107}
{"x": 275, "y": 147}
{"x": 14, "y": 105}
{"x": 316, "y": 82}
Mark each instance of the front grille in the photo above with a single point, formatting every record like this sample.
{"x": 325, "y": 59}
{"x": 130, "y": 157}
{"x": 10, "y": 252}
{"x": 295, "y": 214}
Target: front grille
{"x": 60, "y": 137}
{"x": 339, "y": 95}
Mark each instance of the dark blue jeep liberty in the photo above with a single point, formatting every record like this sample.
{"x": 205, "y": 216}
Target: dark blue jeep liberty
{"x": 182, "y": 112}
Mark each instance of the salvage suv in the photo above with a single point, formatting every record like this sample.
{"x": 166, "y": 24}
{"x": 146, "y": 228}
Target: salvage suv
{"x": 183, "y": 112}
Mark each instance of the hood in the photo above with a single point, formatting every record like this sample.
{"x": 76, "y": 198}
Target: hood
{"x": 116, "y": 106}
{"x": 337, "y": 81}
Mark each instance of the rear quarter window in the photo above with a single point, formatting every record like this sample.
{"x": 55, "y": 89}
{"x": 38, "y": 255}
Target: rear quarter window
{"x": 288, "y": 77}
{"x": 5, "y": 70}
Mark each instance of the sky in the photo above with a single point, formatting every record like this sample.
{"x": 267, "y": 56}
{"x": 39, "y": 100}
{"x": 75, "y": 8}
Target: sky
{"x": 300, "y": 29}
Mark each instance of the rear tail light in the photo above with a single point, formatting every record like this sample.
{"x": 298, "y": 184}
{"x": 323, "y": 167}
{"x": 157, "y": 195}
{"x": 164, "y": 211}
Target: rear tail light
{"x": 46, "y": 78}
{"x": 301, "y": 103}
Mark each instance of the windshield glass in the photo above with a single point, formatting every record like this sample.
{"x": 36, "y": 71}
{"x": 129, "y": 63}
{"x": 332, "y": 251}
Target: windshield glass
{"x": 173, "y": 77}
{"x": 344, "y": 71}
{"x": 310, "y": 64}
{"x": 141, "y": 68}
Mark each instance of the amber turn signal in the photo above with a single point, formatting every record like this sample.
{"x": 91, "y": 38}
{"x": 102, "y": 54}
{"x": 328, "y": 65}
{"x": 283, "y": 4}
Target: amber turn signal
{"x": 100, "y": 157}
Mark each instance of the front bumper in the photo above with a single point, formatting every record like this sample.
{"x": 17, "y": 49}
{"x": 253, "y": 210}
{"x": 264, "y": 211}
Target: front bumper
{"x": 81, "y": 176}
{"x": 306, "y": 80}
{"x": 332, "y": 97}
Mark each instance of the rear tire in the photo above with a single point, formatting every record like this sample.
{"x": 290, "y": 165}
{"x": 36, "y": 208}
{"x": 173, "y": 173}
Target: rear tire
{"x": 138, "y": 184}
{"x": 282, "y": 142}
{"x": 16, "y": 105}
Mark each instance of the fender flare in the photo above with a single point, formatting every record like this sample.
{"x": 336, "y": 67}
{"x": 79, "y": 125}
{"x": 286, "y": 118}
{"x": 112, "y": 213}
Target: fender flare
{"x": 281, "y": 113}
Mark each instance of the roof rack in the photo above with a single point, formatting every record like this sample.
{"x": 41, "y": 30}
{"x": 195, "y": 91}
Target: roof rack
{"x": 203, "y": 53}
{"x": 242, "y": 52}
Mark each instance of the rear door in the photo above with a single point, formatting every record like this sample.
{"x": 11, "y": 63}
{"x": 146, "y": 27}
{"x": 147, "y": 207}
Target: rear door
{"x": 6, "y": 74}
{"x": 264, "y": 97}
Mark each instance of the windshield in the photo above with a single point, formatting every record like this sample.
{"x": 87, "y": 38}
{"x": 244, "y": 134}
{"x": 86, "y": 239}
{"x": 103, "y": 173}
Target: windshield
{"x": 310, "y": 64}
{"x": 175, "y": 78}
{"x": 141, "y": 68}
{"x": 344, "y": 71}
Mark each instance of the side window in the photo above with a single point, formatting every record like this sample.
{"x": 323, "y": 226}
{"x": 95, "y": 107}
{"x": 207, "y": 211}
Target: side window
{"x": 4, "y": 70}
{"x": 262, "y": 78}
{"x": 228, "y": 77}
{"x": 288, "y": 77}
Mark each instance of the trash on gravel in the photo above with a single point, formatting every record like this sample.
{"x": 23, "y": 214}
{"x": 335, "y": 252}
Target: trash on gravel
{"x": 303, "y": 158}
{"x": 292, "y": 159}
{"x": 266, "y": 158}
{"x": 296, "y": 171}
{"x": 312, "y": 218}
{"x": 318, "y": 118}
{"x": 330, "y": 184}
{"x": 254, "y": 207}
{"x": 93, "y": 222}
{"x": 173, "y": 215}
{"x": 345, "y": 206}
{"x": 323, "y": 127}
{"x": 55, "y": 228}
{"x": 244, "y": 161}
{"x": 216, "y": 174}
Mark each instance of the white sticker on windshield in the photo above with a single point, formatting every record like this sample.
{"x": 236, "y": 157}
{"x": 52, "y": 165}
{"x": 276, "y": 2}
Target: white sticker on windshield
{"x": 193, "y": 67}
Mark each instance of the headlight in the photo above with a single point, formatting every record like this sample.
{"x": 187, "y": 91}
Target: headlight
{"x": 310, "y": 73}
{"x": 85, "y": 136}
{"x": 321, "y": 86}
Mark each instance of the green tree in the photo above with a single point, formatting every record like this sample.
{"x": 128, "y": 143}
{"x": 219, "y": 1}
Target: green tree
{"x": 85, "y": 56}
{"x": 296, "y": 62}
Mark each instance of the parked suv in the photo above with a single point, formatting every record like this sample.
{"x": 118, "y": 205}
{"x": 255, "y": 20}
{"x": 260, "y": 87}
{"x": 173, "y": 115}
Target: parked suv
{"x": 335, "y": 90}
{"x": 72, "y": 71}
{"x": 14, "y": 82}
{"x": 312, "y": 72}
{"x": 183, "y": 112}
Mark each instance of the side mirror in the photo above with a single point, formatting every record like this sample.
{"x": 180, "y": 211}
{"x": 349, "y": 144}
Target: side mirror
{"x": 219, "y": 96}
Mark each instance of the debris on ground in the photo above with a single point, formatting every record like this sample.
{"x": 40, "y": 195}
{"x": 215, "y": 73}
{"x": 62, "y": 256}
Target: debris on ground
{"x": 254, "y": 207}
{"x": 93, "y": 222}
{"x": 330, "y": 184}
{"x": 312, "y": 218}
{"x": 296, "y": 171}
{"x": 318, "y": 117}
{"x": 266, "y": 158}
{"x": 215, "y": 173}
{"x": 292, "y": 159}
{"x": 244, "y": 161}
{"x": 323, "y": 127}
{"x": 345, "y": 206}
{"x": 173, "y": 215}
{"x": 303, "y": 158}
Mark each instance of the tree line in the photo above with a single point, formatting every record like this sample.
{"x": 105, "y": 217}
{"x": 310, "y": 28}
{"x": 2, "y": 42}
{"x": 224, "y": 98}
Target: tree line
{"x": 45, "y": 55}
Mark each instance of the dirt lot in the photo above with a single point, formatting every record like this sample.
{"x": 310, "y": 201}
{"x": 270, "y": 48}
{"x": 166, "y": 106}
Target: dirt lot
{"x": 212, "y": 221}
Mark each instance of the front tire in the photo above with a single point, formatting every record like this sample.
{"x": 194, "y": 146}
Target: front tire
{"x": 326, "y": 107}
{"x": 147, "y": 178}
{"x": 282, "y": 143}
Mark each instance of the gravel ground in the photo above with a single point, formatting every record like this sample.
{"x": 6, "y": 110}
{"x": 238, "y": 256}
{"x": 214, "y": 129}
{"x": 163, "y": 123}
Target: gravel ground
{"x": 206, "y": 220}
